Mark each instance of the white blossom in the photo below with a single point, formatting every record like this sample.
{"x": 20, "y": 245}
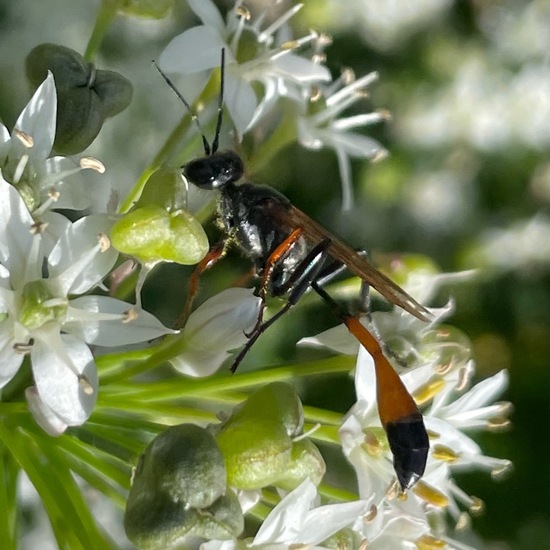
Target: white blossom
{"x": 44, "y": 181}
{"x": 215, "y": 328}
{"x": 269, "y": 59}
{"x": 43, "y": 316}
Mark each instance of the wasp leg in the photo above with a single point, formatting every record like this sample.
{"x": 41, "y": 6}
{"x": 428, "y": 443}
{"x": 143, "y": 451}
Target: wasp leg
{"x": 297, "y": 284}
{"x": 214, "y": 254}
{"x": 275, "y": 257}
{"x": 398, "y": 412}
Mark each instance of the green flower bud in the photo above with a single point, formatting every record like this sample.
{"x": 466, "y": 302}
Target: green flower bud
{"x": 152, "y": 9}
{"x": 86, "y": 96}
{"x": 151, "y": 234}
{"x": 180, "y": 489}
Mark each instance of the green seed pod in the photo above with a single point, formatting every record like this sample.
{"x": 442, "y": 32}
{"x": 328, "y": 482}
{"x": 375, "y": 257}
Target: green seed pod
{"x": 257, "y": 440}
{"x": 305, "y": 462}
{"x": 85, "y": 96}
{"x": 164, "y": 188}
{"x": 223, "y": 520}
{"x": 151, "y": 234}
{"x": 179, "y": 478}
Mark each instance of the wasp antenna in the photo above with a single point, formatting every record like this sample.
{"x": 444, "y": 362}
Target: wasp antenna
{"x": 207, "y": 149}
{"x": 216, "y": 139}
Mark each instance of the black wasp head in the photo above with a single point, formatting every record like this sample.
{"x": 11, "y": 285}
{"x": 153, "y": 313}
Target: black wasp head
{"x": 214, "y": 171}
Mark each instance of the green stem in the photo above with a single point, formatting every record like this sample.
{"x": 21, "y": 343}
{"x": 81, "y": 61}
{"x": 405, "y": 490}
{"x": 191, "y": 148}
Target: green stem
{"x": 172, "y": 144}
{"x": 105, "y": 16}
{"x": 284, "y": 134}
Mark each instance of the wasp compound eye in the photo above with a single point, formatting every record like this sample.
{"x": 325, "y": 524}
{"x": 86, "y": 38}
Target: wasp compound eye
{"x": 214, "y": 171}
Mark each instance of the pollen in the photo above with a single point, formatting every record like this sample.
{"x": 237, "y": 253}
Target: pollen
{"x": 477, "y": 507}
{"x": 85, "y": 384}
{"x": 93, "y": 164}
{"x": 24, "y": 138}
{"x": 427, "y": 542}
{"x": 371, "y": 514}
{"x": 53, "y": 194}
{"x": 38, "y": 227}
{"x": 104, "y": 242}
{"x": 428, "y": 390}
{"x": 430, "y": 495}
{"x": 244, "y": 12}
{"x": 130, "y": 315}
{"x": 440, "y": 452}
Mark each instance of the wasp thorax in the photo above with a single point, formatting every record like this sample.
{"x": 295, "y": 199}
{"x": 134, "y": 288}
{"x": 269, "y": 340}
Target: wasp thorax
{"x": 214, "y": 171}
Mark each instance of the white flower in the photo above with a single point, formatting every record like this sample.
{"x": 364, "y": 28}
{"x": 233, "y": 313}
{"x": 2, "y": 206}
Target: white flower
{"x": 39, "y": 316}
{"x": 252, "y": 55}
{"x": 26, "y": 163}
{"x": 321, "y": 127}
{"x": 212, "y": 330}
{"x": 299, "y": 520}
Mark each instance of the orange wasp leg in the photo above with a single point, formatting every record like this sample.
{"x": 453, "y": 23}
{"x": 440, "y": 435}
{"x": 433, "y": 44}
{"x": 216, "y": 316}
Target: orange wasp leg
{"x": 214, "y": 254}
{"x": 398, "y": 412}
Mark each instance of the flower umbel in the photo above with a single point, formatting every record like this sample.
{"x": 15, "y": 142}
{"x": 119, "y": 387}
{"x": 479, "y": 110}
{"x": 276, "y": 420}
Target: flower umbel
{"x": 44, "y": 316}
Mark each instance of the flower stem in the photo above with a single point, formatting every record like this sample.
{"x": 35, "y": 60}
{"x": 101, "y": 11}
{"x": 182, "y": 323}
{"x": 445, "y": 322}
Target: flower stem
{"x": 172, "y": 144}
{"x": 105, "y": 16}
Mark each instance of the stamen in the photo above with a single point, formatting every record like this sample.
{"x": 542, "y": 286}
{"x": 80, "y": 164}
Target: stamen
{"x": 267, "y": 33}
{"x": 53, "y": 194}
{"x": 93, "y": 164}
{"x": 21, "y": 165}
{"x": 85, "y": 384}
{"x": 428, "y": 391}
{"x": 502, "y": 471}
{"x": 463, "y": 380}
{"x": 243, "y": 11}
{"x": 463, "y": 522}
{"x": 104, "y": 242}
{"x": 445, "y": 454}
{"x": 477, "y": 507}
{"x": 372, "y": 445}
{"x": 371, "y": 514}
{"x": 315, "y": 94}
{"x": 352, "y": 88}
{"x": 498, "y": 424}
{"x": 23, "y": 348}
{"x": 130, "y": 315}
{"x": 430, "y": 495}
{"x": 363, "y": 544}
{"x": 38, "y": 227}
{"x": 26, "y": 139}
{"x": 428, "y": 542}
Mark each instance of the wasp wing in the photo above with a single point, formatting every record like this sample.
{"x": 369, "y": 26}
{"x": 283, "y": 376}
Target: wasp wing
{"x": 292, "y": 217}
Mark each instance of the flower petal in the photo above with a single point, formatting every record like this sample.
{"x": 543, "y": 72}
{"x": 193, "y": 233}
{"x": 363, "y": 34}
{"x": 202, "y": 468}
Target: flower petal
{"x": 199, "y": 363}
{"x": 38, "y": 120}
{"x": 57, "y": 360}
{"x": 208, "y": 13}
{"x": 16, "y": 239}
{"x": 197, "y": 49}
{"x": 240, "y": 101}
{"x": 102, "y": 321}
{"x": 301, "y": 70}
{"x": 44, "y": 416}
{"x": 10, "y": 361}
{"x": 77, "y": 263}
{"x": 285, "y": 520}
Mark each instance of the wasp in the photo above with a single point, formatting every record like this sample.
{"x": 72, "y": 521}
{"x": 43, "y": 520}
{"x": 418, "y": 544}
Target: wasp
{"x": 291, "y": 254}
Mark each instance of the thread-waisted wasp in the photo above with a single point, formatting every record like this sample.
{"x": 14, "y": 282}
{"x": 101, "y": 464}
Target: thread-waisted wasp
{"x": 292, "y": 253}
